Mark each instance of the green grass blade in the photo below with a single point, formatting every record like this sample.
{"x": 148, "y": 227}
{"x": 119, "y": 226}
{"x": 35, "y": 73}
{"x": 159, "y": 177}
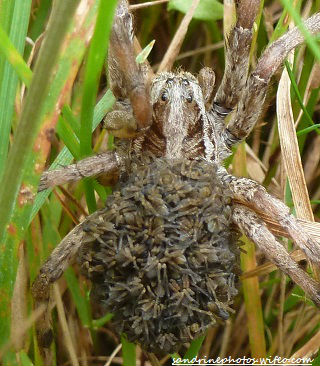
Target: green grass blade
{"x": 14, "y": 218}
{"x": 280, "y": 28}
{"x": 128, "y": 352}
{"x": 80, "y": 300}
{"x": 194, "y": 348}
{"x": 65, "y": 73}
{"x": 73, "y": 122}
{"x": 98, "y": 323}
{"x": 25, "y": 360}
{"x": 143, "y": 55}
{"x": 315, "y": 127}
{"x": 97, "y": 53}
{"x": 12, "y": 46}
{"x": 297, "y": 94}
{"x": 6, "y": 10}
{"x": 206, "y": 10}
{"x": 37, "y": 26}
{"x": 65, "y": 157}
{"x": 29, "y": 123}
{"x": 14, "y": 58}
{"x": 66, "y": 134}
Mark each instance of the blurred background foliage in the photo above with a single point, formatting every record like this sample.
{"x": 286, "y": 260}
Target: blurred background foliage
{"x": 53, "y": 94}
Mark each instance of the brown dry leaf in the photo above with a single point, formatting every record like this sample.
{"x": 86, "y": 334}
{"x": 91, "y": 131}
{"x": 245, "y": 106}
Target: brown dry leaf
{"x": 177, "y": 40}
{"x": 290, "y": 151}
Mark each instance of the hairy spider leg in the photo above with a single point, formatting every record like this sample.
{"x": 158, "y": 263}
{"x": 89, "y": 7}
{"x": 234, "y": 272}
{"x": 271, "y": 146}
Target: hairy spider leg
{"x": 253, "y": 96}
{"x": 50, "y": 272}
{"x": 237, "y": 53}
{"x": 132, "y": 113}
{"x": 256, "y": 196}
{"x": 255, "y": 229}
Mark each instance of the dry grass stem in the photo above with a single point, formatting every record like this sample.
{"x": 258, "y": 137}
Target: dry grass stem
{"x": 153, "y": 359}
{"x": 269, "y": 267}
{"x": 66, "y": 208}
{"x": 147, "y": 4}
{"x": 281, "y": 314}
{"x": 64, "y": 326}
{"x": 177, "y": 40}
{"x": 200, "y": 50}
{"x": 71, "y": 198}
{"x": 226, "y": 339}
{"x": 113, "y": 354}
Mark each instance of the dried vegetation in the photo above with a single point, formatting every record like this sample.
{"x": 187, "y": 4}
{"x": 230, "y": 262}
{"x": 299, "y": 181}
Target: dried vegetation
{"x": 275, "y": 319}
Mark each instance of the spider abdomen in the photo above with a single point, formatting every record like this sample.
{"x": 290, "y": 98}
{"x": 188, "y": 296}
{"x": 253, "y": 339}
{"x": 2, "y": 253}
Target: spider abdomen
{"x": 162, "y": 255}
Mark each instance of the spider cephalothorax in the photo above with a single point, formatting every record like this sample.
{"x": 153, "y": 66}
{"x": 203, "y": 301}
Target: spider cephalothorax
{"x": 181, "y": 125}
{"x": 163, "y": 253}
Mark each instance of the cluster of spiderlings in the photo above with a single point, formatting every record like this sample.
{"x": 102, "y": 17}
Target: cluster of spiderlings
{"x": 162, "y": 255}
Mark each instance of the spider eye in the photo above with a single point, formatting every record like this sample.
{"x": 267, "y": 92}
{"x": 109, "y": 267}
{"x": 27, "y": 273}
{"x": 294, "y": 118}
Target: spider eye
{"x": 164, "y": 96}
{"x": 189, "y": 98}
{"x": 169, "y": 81}
{"x": 185, "y": 82}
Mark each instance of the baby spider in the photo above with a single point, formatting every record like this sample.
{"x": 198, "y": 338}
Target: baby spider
{"x": 163, "y": 255}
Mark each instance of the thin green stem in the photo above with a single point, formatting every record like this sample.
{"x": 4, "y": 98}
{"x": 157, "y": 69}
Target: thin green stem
{"x": 297, "y": 93}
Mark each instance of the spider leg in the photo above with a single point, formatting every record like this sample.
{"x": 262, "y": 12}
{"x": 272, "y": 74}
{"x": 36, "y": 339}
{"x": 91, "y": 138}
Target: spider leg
{"x": 127, "y": 78}
{"x": 237, "y": 45}
{"x": 256, "y": 196}
{"x": 248, "y": 109}
{"x": 49, "y": 273}
{"x": 255, "y": 229}
{"x": 105, "y": 163}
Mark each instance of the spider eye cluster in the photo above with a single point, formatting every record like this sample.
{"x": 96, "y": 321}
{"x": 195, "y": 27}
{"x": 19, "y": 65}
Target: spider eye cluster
{"x": 177, "y": 87}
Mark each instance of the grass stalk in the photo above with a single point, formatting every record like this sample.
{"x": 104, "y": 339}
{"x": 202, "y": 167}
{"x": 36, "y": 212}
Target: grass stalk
{"x": 250, "y": 286}
{"x": 96, "y": 57}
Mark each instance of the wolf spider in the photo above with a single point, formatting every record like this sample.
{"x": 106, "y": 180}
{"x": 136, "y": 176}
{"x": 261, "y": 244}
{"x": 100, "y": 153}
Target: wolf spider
{"x": 164, "y": 251}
